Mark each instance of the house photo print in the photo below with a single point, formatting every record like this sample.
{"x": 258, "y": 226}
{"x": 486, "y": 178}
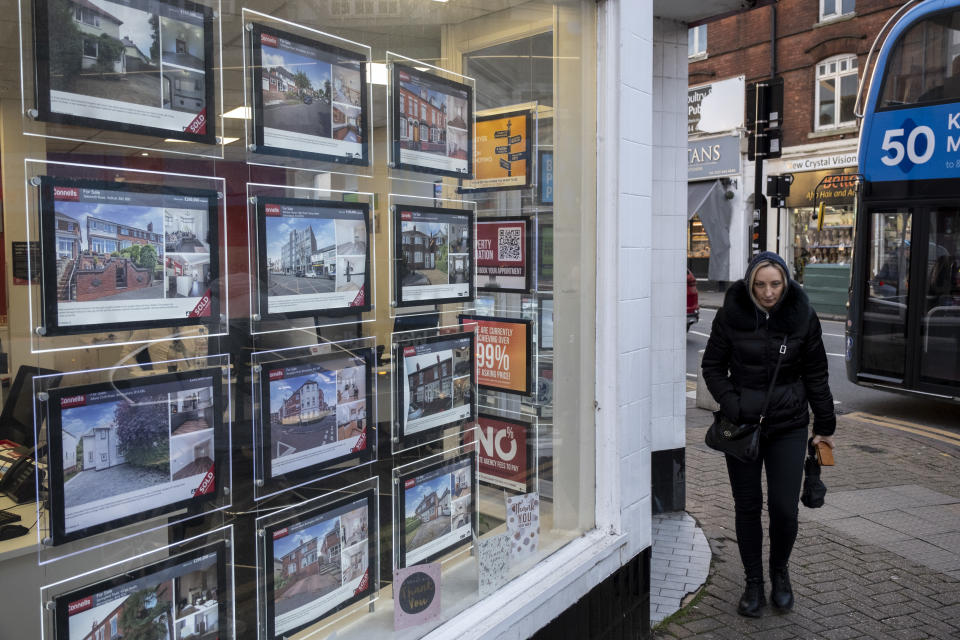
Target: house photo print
{"x": 309, "y": 98}
{"x": 313, "y": 257}
{"x": 434, "y": 256}
{"x": 434, "y": 123}
{"x": 320, "y": 563}
{"x": 177, "y": 600}
{"x": 123, "y": 254}
{"x": 438, "y": 511}
{"x": 153, "y": 445}
{"x": 137, "y": 65}
{"x": 318, "y": 413}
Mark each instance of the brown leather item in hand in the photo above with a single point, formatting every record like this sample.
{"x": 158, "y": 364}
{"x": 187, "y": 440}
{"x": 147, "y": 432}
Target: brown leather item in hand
{"x": 824, "y": 454}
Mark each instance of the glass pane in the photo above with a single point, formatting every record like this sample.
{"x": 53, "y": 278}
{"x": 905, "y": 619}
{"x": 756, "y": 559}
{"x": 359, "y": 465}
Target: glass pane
{"x": 847, "y": 6}
{"x": 940, "y": 329}
{"x": 923, "y": 64}
{"x": 827, "y": 102}
{"x": 848, "y": 96}
{"x": 702, "y": 44}
{"x": 829, "y": 7}
{"x": 691, "y": 41}
{"x": 885, "y": 311}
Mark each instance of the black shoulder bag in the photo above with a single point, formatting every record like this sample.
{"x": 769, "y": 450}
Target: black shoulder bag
{"x": 742, "y": 441}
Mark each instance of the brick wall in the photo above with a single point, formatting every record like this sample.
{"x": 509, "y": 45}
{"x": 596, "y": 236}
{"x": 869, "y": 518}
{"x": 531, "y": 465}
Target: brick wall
{"x": 93, "y": 285}
{"x": 740, "y": 44}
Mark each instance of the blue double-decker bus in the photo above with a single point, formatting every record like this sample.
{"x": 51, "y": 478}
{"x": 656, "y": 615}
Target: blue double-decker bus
{"x": 903, "y": 327}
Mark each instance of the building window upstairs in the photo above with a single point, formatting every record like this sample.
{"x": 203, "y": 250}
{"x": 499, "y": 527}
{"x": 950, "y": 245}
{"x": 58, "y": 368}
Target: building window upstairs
{"x": 830, "y": 9}
{"x": 697, "y": 41}
{"x": 836, "y": 92}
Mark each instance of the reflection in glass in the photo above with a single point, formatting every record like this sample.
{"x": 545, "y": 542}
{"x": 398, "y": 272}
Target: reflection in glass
{"x": 940, "y": 330}
{"x": 885, "y": 311}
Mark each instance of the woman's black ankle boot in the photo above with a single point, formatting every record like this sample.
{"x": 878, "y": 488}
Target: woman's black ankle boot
{"x": 752, "y": 600}
{"x": 781, "y": 593}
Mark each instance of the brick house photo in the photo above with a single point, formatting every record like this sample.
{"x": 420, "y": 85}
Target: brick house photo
{"x": 307, "y": 564}
{"x": 428, "y": 510}
{"x": 430, "y": 384}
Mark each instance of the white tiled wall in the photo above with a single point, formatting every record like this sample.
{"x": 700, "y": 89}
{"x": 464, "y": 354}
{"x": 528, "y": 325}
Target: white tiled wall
{"x": 668, "y": 236}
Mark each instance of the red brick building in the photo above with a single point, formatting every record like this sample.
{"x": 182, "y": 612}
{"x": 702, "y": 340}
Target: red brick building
{"x": 95, "y": 280}
{"x": 423, "y": 119}
{"x": 818, "y": 48}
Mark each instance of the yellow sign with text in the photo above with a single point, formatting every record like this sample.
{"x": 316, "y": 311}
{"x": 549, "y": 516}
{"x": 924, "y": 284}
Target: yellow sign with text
{"x": 503, "y": 152}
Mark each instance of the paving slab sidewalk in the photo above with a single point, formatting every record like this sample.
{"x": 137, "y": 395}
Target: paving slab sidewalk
{"x": 881, "y": 560}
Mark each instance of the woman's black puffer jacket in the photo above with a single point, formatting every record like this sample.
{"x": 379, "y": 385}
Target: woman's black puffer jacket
{"x": 742, "y": 353}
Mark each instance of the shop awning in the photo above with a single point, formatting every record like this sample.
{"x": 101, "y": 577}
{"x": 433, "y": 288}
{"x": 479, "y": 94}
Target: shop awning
{"x": 708, "y": 201}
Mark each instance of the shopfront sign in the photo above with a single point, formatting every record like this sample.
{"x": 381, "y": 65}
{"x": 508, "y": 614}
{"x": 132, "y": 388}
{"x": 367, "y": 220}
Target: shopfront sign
{"x": 835, "y": 161}
{"x": 709, "y": 158}
{"x": 838, "y": 187}
{"x": 715, "y": 107}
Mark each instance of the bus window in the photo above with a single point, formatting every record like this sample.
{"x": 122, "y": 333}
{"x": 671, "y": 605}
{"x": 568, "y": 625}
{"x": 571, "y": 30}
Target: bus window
{"x": 924, "y": 65}
{"x": 885, "y": 308}
{"x": 940, "y": 329}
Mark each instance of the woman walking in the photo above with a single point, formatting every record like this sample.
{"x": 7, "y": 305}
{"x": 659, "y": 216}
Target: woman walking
{"x": 761, "y": 313}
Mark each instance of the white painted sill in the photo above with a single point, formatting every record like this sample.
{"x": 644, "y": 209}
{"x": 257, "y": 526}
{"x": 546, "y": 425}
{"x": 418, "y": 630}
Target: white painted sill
{"x": 532, "y": 600}
{"x": 834, "y": 19}
{"x": 697, "y": 57}
{"x": 827, "y": 133}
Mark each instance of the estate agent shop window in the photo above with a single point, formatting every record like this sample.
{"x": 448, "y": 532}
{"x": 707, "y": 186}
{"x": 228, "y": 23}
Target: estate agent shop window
{"x": 279, "y": 327}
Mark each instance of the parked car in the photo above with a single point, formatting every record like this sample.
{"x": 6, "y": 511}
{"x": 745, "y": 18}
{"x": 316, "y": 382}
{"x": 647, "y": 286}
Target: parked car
{"x": 693, "y": 301}
{"x": 307, "y": 98}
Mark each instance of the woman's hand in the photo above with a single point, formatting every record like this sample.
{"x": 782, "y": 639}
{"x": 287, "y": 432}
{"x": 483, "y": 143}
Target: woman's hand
{"x": 827, "y": 439}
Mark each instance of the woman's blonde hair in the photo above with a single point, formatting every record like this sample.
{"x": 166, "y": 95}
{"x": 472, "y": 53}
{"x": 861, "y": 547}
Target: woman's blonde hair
{"x": 753, "y": 276}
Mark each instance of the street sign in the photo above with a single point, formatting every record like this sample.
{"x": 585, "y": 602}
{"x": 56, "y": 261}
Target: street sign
{"x": 519, "y": 155}
{"x": 502, "y": 149}
{"x": 504, "y": 164}
{"x": 515, "y": 139}
{"x": 502, "y": 133}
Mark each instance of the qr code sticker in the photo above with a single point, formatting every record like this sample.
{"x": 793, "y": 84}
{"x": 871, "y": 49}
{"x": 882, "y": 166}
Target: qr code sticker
{"x": 509, "y": 243}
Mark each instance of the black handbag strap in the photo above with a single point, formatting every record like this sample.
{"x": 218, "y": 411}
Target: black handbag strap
{"x": 773, "y": 380}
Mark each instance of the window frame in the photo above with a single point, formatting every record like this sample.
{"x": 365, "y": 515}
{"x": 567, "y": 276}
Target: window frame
{"x": 698, "y": 53}
{"x": 838, "y": 11}
{"x": 837, "y": 76}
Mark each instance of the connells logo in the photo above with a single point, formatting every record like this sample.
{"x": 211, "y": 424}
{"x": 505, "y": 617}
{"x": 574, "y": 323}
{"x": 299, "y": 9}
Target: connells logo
{"x": 276, "y": 374}
{"x": 272, "y": 210}
{"x": 79, "y": 605}
{"x": 270, "y": 41}
{"x": 409, "y": 351}
{"x": 406, "y": 215}
{"x": 409, "y": 484}
{"x": 73, "y": 401}
{"x": 66, "y": 193}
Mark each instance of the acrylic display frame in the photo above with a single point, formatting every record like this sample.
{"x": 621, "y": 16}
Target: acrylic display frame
{"x": 207, "y": 136}
{"x": 74, "y": 388}
{"x": 401, "y": 436}
{"x": 528, "y": 348}
{"x": 529, "y": 113}
{"x": 529, "y": 223}
{"x": 266, "y": 484}
{"x": 256, "y": 23}
{"x": 49, "y": 334}
{"x": 461, "y": 456}
{"x": 544, "y": 224}
{"x": 57, "y": 597}
{"x": 277, "y": 523}
{"x": 444, "y": 80}
{"x": 258, "y": 196}
{"x": 398, "y": 205}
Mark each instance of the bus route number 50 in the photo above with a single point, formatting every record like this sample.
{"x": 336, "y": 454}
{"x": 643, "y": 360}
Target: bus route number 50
{"x": 892, "y": 143}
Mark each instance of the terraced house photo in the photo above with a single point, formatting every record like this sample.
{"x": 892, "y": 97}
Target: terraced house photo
{"x": 115, "y": 255}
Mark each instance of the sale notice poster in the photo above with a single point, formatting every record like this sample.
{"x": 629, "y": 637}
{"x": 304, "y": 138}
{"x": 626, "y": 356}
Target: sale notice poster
{"x": 503, "y": 353}
{"x": 503, "y": 152}
{"x": 416, "y": 595}
{"x": 523, "y": 524}
{"x": 505, "y": 451}
{"x": 503, "y": 250}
